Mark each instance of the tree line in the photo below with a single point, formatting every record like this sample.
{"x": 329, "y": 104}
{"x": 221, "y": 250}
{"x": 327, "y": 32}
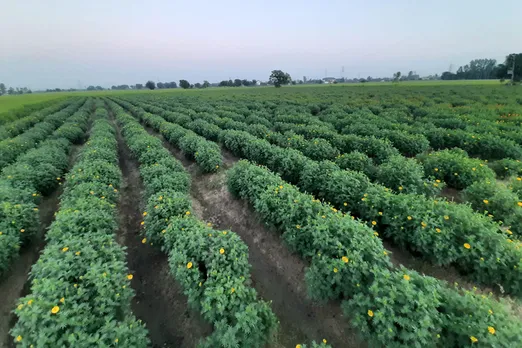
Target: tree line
{"x": 479, "y": 69}
{"x": 13, "y": 91}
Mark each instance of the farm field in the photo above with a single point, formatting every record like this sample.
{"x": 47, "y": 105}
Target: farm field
{"x": 329, "y": 216}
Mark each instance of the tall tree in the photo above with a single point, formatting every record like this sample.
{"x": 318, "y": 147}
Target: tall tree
{"x": 11, "y": 91}
{"x": 2, "y": 89}
{"x": 279, "y": 78}
{"x": 184, "y": 84}
{"x": 237, "y": 83}
{"x": 150, "y": 85}
{"x": 397, "y": 76}
{"x": 206, "y": 84}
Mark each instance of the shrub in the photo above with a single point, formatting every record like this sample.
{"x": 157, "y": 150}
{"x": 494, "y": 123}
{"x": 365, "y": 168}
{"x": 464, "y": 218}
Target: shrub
{"x": 456, "y": 168}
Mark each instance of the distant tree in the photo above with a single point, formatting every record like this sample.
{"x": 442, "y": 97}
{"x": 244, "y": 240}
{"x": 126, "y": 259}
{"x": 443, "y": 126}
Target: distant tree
{"x": 160, "y": 85}
{"x": 518, "y": 66}
{"x": 150, "y": 85}
{"x": 184, "y": 84}
{"x": 2, "y": 89}
{"x": 206, "y": 84}
{"x": 254, "y": 82}
{"x": 198, "y": 85}
{"x": 397, "y": 76}
{"x": 99, "y": 88}
{"x": 447, "y": 75}
{"x": 294, "y": 82}
{"x": 11, "y": 91}
{"x": 91, "y": 88}
{"x": 279, "y": 78}
{"x": 237, "y": 83}
{"x": 363, "y": 81}
{"x": 245, "y": 82}
{"x": 138, "y": 86}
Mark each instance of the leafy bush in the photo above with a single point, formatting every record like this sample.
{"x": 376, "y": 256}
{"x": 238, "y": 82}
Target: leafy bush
{"x": 456, "y": 168}
{"x": 401, "y": 174}
{"x": 356, "y": 161}
{"x": 506, "y": 167}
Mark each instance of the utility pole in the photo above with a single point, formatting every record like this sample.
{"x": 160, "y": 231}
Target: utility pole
{"x": 513, "y": 70}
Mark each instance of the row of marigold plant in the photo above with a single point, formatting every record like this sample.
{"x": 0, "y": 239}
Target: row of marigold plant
{"x": 395, "y": 171}
{"x": 18, "y": 121}
{"x": 207, "y": 154}
{"x": 22, "y": 184}
{"x": 211, "y": 266}
{"x": 11, "y": 148}
{"x": 442, "y": 232}
{"x": 392, "y": 307}
{"x": 80, "y": 294}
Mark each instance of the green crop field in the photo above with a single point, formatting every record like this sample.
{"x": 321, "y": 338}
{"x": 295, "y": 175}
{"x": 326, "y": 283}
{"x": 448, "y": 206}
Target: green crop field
{"x": 382, "y": 215}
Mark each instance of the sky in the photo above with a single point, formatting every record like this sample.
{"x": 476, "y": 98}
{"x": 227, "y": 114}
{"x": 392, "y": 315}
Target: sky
{"x": 73, "y": 43}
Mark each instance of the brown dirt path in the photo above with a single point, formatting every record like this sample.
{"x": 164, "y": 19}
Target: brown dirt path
{"x": 277, "y": 274}
{"x": 159, "y": 301}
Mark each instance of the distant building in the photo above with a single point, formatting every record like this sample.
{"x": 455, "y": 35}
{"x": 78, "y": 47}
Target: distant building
{"x": 329, "y": 79}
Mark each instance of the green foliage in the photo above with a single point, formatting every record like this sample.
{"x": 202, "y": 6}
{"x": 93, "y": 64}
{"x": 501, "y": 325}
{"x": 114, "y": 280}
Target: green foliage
{"x": 455, "y": 168}
{"x": 211, "y": 266}
{"x": 401, "y": 174}
{"x": 399, "y": 309}
{"x": 356, "y": 161}
{"x": 80, "y": 291}
{"x": 506, "y": 167}
{"x": 499, "y": 201}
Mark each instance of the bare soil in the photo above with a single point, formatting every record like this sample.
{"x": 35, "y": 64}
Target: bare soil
{"x": 277, "y": 274}
{"x": 159, "y": 301}
{"x": 15, "y": 283}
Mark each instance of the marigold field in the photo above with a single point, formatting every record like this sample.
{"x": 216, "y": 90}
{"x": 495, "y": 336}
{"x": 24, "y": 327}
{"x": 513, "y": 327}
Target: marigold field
{"x": 337, "y": 216}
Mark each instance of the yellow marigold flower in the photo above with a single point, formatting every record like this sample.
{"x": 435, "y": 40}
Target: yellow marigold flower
{"x": 370, "y": 313}
{"x": 519, "y": 204}
{"x": 232, "y": 290}
{"x": 298, "y": 226}
{"x": 20, "y": 306}
{"x": 187, "y": 213}
{"x": 519, "y": 179}
{"x": 374, "y": 223}
{"x": 375, "y": 233}
{"x": 142, "y": 223}
{"x": 163, "y": 231}
{"x": 160, "y": 198}
{"x": 144, "y": 240}
{"x": 30, "y": 302}
{"x": 298, "y": 346}
{"x": 335, "y": 270}
{"x": 423, "y": 224}
{"x": 438, "y": 181}
{"x": 65, "y": 249}
{"x": 490, "y": 312}
{"x": 473, "y": 339}
{"x": 467, "y": 246}
{"x": 62, "y": 300}
{"x": 400, "y": 188}
{"x": 380, "y": 213}
{"x": 324, "y": 340}
{"x": 130, "y": 276}
{"x": 55, "y": 309}
{"x": 385, "y": 252}
{"x": 436, "y": 169}
{"x": 91, "y": 192}
{"x": 189, "y": 265}
{"x": 491, "y": 330}
{"x": 280, "y": 187}
{"x": 446, "y": 217}
{"x": 116, "y": 341}
{"x": 18, "y": 338}
{"x": 363, "y": 199}
{"x": 22, "y": 230}
{"x": 409, "y": 217}
{"x": 473, "y": 169}
{"x": 225, "y": 233}
{"x": 345, "y": 259}
{"x": 77, "y": 253}
{"x": 438, "y": 230}
{"x": 324, "y": 217}
{"x": 406, "y": 277}
{"x": 145, "y": 213}
{"x": 221, "y": 251}
{"x": 345, "y": 204}
{"x": 34, "y": 194}
{"x": 485, "y": 201}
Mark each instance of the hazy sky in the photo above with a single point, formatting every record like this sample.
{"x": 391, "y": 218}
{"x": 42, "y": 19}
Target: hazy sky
{"x": 58, "y": 43}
